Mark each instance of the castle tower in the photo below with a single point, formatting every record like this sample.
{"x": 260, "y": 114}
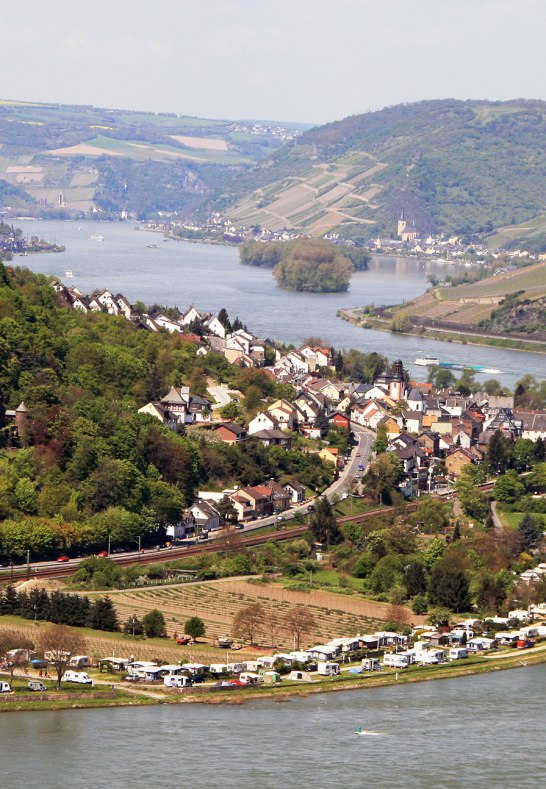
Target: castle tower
{"x": 397, "y": 385}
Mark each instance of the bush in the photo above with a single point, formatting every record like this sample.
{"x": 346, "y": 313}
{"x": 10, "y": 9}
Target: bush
{"x": 419, "y": 604}
{"x": 154, "y": 624}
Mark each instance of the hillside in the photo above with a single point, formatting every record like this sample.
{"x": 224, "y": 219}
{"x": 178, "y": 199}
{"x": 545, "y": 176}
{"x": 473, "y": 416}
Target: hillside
{"x": 512, "y": 302}
{"x": 66, "y": 160}
{"x": 449, "y": 166}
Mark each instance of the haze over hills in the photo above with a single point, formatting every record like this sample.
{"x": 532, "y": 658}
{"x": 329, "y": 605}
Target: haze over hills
{"x": 66, "y": 160}
{"x": 447, "y": 165}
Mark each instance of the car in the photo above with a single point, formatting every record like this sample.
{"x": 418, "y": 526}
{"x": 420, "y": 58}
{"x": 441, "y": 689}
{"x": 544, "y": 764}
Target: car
{"x": 118, "y": 550}
{"x": 358, "y": 454}
{"x": 311, "y": 508}
{"x": 103, "y": 554}
{"x": 63, "y": 558}
{"x": 184, "y": 640}
{"x": 131, "y": 678}
{"x": 239, "y": 525}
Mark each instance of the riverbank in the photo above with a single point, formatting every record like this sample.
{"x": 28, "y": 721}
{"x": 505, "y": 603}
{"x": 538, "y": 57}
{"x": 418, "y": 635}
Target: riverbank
{"x": 366, "y": 321}
{"x": 134, "y": 697}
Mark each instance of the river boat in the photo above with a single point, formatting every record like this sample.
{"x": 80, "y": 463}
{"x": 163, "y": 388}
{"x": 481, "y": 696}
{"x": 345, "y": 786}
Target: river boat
{"x": 477, "y": 368}
{"x": 96, "y": 238}
{"x": 427, "y": 361}
{"x": 152, "y": 246}
{"x": 69, "y": 274}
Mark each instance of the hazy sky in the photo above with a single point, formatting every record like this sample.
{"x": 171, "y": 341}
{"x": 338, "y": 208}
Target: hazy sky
{"x": 301, "y": 60}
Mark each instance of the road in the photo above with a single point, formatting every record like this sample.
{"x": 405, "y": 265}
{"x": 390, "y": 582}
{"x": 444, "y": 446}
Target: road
{"x": 219, "y": 393}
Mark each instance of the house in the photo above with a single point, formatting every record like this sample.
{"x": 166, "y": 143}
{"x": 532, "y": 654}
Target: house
{"x": 262, "y": 421}
{"x": 243, "y": 507}
{"x": 280, "y": 497}
{"x": 205, "y": 515}
{"x": 457, "y": 459}
{"x": 533, "y": 424}
{"x": 412, "y": 421}
{"x": 259, "y": 498}
{"x": 329, "y": 454}
{"x": 190, "y": 316}
{"x": 185, "y": 526}
{"x": 416, "y": 400}
{"x": 274, "y": 438}
{"x": 214, "y": 326}
{"x": 230, "y": 433}
{"x": 392, "y": 426}
{"x": 341, "y": 420}
{"x": 165, "y": 322}
{"x": 283, "y": 413}
{"x": 296, "y": 491}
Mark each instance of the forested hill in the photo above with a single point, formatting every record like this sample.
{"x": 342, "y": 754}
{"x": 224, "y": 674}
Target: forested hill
{"x": 453, "y": 166}
{"x": 82, "y": 463}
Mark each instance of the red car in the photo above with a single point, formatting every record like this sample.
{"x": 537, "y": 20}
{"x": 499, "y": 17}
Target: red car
{"x": 102, "y": 554}
{"x": 183, "y": 640}
{"x": 63, "y": 559}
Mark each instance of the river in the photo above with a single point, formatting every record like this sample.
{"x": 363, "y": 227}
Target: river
{"x": 211, "y": 277}
{"x": 485, "y": 731}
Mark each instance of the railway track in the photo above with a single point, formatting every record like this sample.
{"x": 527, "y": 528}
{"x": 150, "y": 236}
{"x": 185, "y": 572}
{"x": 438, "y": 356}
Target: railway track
{"x": 59, "y": 571}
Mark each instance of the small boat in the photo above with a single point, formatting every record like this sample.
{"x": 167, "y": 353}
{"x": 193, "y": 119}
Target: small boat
{"x": 225, "y": 643}
{"x": 96, "y": 238}
{"x": 152, "y": 246}
{"x": 427, "y": 361}
{"x": 69, "y": 274}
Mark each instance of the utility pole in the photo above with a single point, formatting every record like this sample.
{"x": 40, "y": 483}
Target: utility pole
{"x": 28, "y": 562}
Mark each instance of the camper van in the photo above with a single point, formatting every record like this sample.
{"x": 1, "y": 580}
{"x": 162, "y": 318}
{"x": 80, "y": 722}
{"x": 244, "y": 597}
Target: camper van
{"x": 36, "y": 685}
{"x": 81, "y": 677}
{"x": 174, "y": 681}
{"x": 326, "y": 669}
{"x": 250, "y": 678}
{"x": 5, "y": 687}
{"x": 396, "y": 661}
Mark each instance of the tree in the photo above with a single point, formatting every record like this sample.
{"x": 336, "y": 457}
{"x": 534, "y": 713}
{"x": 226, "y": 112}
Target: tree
{"x": 313, "y": 265}
{"x": 57, "y": 644}
{"x": 324, "y": 525}
{"x": 103, "y": 615}
{"x": 448, "y": 587}
{"x": 381, "y": 439}
{"x": 439, "y": 617}
{"x": 154, "y": 624}
{"x": 509, "y": 487}
{"x": 299, "y": 622}
{"x": 194, "y": 627}
{"x": 273, "y": 626}
{"x": 248, "y": 622}
{"x": 499, "y": 453}
{"x": 415, "y": 579}
{"x": 223, "y": 317}
{"x": 530, "y": 532}
{"x": 227, "y": 510}
{"x": 382, "y": 477}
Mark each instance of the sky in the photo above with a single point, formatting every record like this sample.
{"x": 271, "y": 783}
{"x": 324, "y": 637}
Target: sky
{"x": 289, "y": 60}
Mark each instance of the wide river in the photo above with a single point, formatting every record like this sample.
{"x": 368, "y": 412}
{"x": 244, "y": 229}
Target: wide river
{"x": 211, "y": 277}
{"x": 481, "y": 731}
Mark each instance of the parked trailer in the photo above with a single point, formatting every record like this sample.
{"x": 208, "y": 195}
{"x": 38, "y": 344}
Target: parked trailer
{"x": 326, "y": 669}
{"x": 396, "y": 661}
{"x": 457, "y": 653}
{"x": 371, "y": 664}
{"x": 177, "y": 681}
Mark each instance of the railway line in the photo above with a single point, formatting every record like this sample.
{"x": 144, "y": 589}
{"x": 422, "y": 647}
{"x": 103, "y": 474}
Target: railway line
{"x": 55, "y": 570}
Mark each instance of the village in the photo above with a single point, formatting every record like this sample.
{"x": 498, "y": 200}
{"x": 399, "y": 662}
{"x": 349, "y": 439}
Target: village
{"x": 433, "y": 433}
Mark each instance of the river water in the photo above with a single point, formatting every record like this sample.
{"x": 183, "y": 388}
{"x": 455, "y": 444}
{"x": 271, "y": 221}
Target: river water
{"x": 211, "y": 277}
{"x": 481, "y": 731}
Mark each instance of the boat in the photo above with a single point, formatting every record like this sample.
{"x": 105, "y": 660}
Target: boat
{"x": 225, "y": 643}
{"x": 152, "y": 246}
{"x": 477, "y": 368}
{"x": 96, "y": 238}
{"x": 69, "y": 274}
{"x": 427, "y": 361}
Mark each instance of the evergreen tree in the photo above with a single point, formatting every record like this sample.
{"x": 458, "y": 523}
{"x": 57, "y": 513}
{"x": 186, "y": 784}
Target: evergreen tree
{"x": 530, "y": 532}
{"x": 499, "y": 451}
{"x": 324, "y": 523}
{"x": 103, "y": 615}
{"x": 8, "y": 601}
{"x": 223, "y": 317}
{"x": 540, "y": 449}
{"x": 449, "y": 587}
{"x": 322, "y": 423}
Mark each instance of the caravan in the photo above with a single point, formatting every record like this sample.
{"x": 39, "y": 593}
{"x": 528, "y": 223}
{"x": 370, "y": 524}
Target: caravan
{"x": 396, "y": 661}
{"x": 81, "y": 677}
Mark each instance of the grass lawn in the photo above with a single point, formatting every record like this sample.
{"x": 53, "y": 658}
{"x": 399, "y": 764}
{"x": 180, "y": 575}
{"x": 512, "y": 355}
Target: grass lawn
{"x": 513, "y": 519}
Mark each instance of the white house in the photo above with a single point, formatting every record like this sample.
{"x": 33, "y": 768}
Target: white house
{"x": 262, "y": 421}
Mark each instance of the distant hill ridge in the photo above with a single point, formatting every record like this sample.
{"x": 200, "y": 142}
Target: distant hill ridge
{"x": 447, "y": 165}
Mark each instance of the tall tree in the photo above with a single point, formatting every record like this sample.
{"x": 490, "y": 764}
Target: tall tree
{"x": 299, "y": 622}
{"x": 248, "y": 622}
{"x": 324, "y": 524}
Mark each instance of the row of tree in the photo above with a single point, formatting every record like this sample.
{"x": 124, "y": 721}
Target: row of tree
{"x": 60, "y": 608}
